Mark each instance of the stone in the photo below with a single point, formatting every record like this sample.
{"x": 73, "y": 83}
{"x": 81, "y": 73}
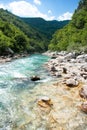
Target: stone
{"x": 53, "y": 69}
{"x": 83, "y": 92}
{"x": 84, "y": 75}
{"x": 84, "y": 107}
{"x": 64, "y": 70}
{"x": 69, "y": 56}
{"x": 82, "y": 58}
{"x": 58, "y": 75}
{"x": 35, "y": 78}
{"x": 84, "y": 68}
{"x": 71, "y": 82}
{"x": 54, "y": 57}
{"x": 45, "y": 102}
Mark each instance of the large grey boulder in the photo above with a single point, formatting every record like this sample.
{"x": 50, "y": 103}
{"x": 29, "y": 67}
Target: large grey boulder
{"x": 70, "y": 56}
{"x": 72, "y": 82}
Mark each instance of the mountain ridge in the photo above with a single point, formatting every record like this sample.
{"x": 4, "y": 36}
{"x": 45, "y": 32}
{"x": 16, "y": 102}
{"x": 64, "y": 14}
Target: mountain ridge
{"x": 45, "y": 26}
{"x": 20, "y": 36}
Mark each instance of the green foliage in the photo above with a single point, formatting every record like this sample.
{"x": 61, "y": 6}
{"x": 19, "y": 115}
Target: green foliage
{"x": 19, "y": 35}
{"x": 47, "y": 28}
{"x": 74, "y": 35}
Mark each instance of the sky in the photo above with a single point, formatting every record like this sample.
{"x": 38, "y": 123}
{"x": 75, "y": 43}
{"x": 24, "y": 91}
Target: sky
{"x": 47, "y": 9}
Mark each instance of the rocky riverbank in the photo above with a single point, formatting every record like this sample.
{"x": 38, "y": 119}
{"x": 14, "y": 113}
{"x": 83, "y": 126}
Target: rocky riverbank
{"x": 9, "y": 58}
{"x": 55, "y": 105}
{"x": 65, "y": 107}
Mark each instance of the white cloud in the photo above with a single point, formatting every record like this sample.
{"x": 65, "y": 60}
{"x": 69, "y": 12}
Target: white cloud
{"x": 49, "y": 12}
{"x": 25, "y": 9}
{"x": 65, "y": 16}
{"x": 38, "y": 2}
{"x": 2, "y": 6}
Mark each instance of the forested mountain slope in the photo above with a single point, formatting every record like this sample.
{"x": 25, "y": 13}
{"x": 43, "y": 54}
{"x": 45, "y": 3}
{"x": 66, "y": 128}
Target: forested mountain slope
{"x": 45, "y": 27}
{"x": 20, "y": 36}
{"x": 74, "y": 35}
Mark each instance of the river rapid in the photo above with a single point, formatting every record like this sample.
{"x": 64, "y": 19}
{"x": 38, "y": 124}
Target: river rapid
{"x": 16, "y": 90}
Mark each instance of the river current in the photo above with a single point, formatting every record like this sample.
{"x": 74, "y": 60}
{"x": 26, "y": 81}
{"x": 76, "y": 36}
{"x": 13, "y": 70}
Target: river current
{"x": 16, "y": 90}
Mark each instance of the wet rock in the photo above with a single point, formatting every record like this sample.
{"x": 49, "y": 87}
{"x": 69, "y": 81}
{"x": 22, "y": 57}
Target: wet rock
{"x": 83, "y": 92}
{"x": 71, "y": 82}
{"x": 45, "y": 102}
{"x": 35, "y": 78}
{"x": 84, "y": 107}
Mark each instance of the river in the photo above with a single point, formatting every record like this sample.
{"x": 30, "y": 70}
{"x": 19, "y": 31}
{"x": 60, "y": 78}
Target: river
{"x": 16, "y": 90}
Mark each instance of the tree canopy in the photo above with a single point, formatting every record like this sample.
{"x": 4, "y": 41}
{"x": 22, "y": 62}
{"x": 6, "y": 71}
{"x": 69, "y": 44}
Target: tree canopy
{"x": 74, "y": 35}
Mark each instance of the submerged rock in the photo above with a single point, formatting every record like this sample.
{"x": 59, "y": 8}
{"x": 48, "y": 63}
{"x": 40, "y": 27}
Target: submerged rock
{"x": 71, "y": 82}
{"x": 35, "y": 78}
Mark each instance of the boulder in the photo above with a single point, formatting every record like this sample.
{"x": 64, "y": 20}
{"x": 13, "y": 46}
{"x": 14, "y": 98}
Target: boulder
{"x": 53, "y": 57}
{"x": 71, "y": 82}
{"x": 84, "y": 75}
{"x": 84, "y": 107}
{"x": 84, "y": 68}
{"x": 45, "y": 102}
{"x": 35, "y": 78}
{"x": 83, "y": 92}
{"x": 69, "y": 56}
{"x": 82, "y": 58}
{"x": 58, "y": 75}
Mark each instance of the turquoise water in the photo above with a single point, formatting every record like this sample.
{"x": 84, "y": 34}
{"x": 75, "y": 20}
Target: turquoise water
{"x": 15, "y": 85}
